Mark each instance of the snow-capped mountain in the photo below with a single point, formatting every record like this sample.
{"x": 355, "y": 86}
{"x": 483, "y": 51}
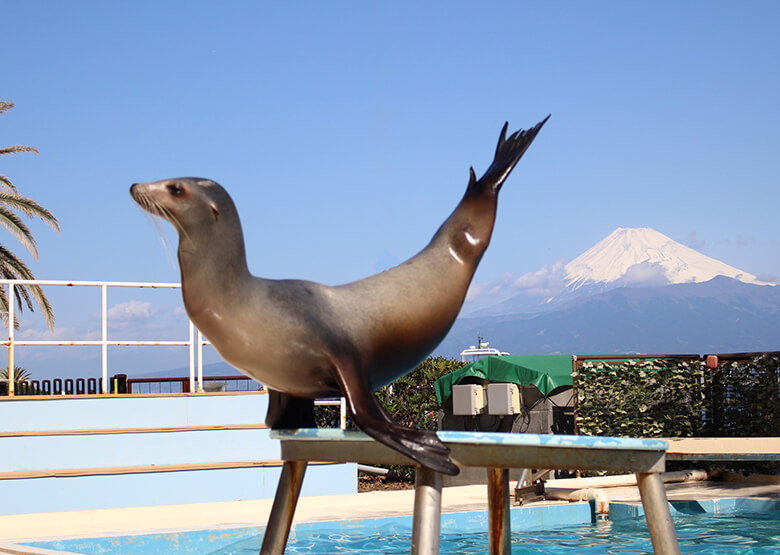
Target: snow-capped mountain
{"x": 644, "y": 256}
{"x": 627, "y": 257}
{"x": 636, "y": 291}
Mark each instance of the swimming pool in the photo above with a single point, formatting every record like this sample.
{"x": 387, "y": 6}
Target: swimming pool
{"x": 697, "y": 534}
{"x": 742, "y": 526}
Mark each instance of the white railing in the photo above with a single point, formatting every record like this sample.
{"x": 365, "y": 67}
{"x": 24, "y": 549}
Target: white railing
{"x": 195, "y": 340}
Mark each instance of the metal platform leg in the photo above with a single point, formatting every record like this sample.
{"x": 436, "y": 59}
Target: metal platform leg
{"x": 659, "y": 518}
{"x": 500, "y": 532}
{"x": 283, "y": 510}
{"x": 427, "y": 512}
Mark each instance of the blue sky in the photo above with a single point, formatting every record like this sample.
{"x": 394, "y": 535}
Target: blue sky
{"x": 344, "y": 132}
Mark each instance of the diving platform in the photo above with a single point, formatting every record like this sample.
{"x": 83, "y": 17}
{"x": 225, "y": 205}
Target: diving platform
{"x": 495, "y": 452}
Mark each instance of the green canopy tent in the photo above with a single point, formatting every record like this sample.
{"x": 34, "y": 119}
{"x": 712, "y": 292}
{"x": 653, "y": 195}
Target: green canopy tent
{"x": 546, "y": 372}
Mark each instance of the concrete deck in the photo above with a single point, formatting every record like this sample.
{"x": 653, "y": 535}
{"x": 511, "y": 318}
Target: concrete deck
{"x": 139, "y": 520}
{"x": 143, "y": 520}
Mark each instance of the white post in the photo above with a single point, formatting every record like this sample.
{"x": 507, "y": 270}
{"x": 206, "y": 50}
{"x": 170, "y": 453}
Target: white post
{"x": 192, "y": 357}
{"x": 200, "y": 362}
{"x": 343, "y": 413}
{"x": 11, "y": 318}
{"x": 104, "y": 340}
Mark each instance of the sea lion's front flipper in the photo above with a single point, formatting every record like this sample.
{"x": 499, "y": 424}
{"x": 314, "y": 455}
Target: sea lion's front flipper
{"x": 286, "y": 412}
{"x": 421, "y": 446}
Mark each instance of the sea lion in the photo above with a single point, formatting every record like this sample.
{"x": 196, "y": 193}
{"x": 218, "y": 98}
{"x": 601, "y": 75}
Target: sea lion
{"x": 304, "y": 340}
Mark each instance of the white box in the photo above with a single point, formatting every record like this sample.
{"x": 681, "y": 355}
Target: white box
{"x": 468, "y": 400}
{"x": 503, "y": 398}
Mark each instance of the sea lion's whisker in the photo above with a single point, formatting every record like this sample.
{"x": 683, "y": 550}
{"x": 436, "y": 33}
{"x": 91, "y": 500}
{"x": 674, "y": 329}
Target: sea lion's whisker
{"x": 156, "y": 213}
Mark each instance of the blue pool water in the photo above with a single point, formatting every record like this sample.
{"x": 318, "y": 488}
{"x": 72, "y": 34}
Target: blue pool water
{"x": 697, "y": 534}
{"x": 720, "y": 527}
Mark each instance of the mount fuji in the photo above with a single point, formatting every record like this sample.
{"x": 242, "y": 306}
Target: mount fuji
{"x": 645, "y": 256}
{"x": 635, "y": 291}
{"x": 627, "y": 257}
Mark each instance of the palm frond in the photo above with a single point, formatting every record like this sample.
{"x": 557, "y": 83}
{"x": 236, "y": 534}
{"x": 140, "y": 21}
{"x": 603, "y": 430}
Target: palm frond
{"x": 22, "y": 294}
{"x": 4, "y": 306}
{"x": 16, "y": 227}
{"x": 5, "y": 182}
{"x": 4, "y": 309}
{"x": 29, "y": 207}
{"x": 20, "y": 374}
{"x": 12, "y": 267}
{"x": 16, "y": 149}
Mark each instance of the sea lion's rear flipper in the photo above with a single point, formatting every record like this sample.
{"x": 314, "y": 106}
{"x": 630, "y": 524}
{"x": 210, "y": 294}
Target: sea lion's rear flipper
{"x": 286, "y": 412}
{"x": 508, "y": 153}
{"x": 421, "y": 446}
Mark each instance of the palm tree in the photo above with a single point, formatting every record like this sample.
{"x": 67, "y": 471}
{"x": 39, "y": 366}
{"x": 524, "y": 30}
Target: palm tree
{"x": 20, "y": 374}
{"x": 11, "y": 266}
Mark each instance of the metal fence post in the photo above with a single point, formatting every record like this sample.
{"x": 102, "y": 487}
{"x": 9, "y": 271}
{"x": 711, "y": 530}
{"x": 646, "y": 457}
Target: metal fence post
{"x": 200, "y": 362}
{"x": 192, "y": 357}
{"x": 11, "y": 317}
{"x": 104, "y": 337}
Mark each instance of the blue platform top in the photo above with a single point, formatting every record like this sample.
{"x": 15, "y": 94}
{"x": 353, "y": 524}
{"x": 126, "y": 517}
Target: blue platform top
{"x": 489, "y": 438}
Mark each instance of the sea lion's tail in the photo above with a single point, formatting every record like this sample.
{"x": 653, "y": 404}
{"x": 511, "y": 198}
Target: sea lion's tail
{"x": 508, "y": 153}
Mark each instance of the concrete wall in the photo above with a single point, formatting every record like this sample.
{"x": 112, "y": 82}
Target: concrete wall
{"x": 95, "y": 452}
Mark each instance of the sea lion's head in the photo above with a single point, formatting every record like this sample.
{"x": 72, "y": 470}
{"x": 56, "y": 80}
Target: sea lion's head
{"x": 186, "y": 202}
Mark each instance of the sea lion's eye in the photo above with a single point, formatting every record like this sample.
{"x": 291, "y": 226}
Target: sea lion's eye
{"x": 175, "y": 189}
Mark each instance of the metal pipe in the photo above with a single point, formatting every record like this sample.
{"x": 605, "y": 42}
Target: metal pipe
{"x": 373, "y": 469}
{"x": 598, "y": 496}
{"x": 66, "y": 283}
{"x": 575, "y": 375}
{"x": 499, "y": 528}
{"x": 104, "y": 337}
{"x": 427, "y": 512}
{"x": 690, "y": 475}
{"x": 341, "y": 403}
{"x": 95, "y": 343}
{"x": 192, "y": 356}
{"x": 200, "y": 362}
{"x": 11, "y": 319}
{"x": 657, "y": 513}
{"x": 283, "y": 510}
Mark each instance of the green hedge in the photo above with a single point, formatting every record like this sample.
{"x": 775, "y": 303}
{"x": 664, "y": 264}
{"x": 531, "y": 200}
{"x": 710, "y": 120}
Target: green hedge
{"x": 742, "y": 398}
{"x": 679, "y": 398}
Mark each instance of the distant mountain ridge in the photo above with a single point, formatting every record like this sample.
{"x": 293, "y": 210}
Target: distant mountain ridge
{"x": 722, "y": 315}
{"x": 635, "y": 291}
{"x": 627, "y": 257}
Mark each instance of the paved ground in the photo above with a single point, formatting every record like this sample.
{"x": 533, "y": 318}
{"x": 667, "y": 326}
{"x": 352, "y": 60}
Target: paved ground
{"x": 112, "y": 522}
{"x": 115, "y": 522}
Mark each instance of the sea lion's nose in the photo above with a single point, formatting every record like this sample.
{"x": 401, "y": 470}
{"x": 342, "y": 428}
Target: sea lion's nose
{"x": 135, "y": 189}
